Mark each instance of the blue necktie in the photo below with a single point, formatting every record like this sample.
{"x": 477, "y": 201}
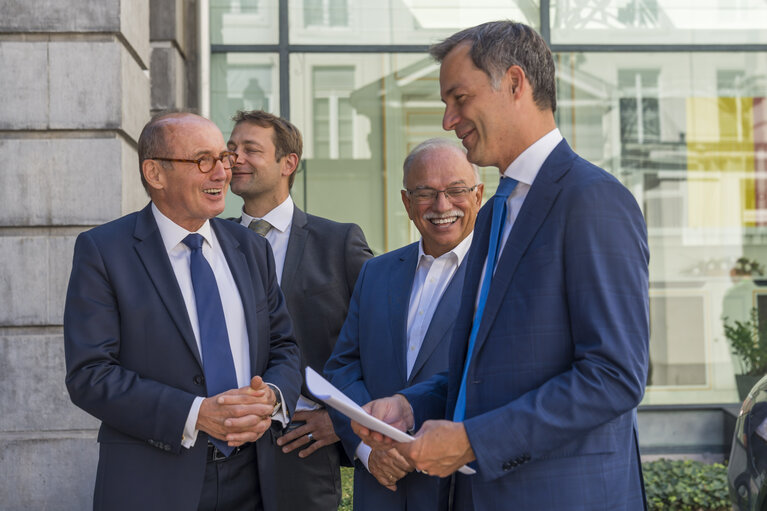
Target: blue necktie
{"x": 505, "y": 187}
{"x": 217, "y": 361}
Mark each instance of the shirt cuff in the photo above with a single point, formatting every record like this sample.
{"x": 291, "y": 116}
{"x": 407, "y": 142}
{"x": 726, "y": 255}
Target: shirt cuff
{"x": 189, "y": 436}
{"x": 363, "y": 454}
{"x": 282, "y": 414}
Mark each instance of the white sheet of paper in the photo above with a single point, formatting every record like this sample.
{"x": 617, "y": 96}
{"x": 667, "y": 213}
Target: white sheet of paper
{"x": 334, "y": 398}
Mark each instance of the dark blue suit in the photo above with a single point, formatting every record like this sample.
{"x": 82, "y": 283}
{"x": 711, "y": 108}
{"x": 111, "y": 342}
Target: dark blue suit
{"x": 369, "y": 362}
{"x": 132, "y": 359}
{"x": 560, "y": 360}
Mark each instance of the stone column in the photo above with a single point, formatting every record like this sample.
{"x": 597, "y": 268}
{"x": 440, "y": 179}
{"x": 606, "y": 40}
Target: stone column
{"x": 74, "y": 95}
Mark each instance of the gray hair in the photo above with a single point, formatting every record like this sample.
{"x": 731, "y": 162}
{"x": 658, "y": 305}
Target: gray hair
{"x": 433, "y": 144}
{"x": 498, "y": 45}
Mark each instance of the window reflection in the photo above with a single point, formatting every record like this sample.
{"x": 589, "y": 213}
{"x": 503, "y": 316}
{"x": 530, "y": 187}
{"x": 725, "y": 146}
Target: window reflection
{"x": 687, "y": 134}
{"x": 658, "y": 21}
{"x": 397, "y": 22}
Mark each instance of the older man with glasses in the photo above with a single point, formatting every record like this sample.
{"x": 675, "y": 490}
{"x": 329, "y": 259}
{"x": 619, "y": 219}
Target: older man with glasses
{"x": 177, "y": 336}
{"x": 401, "y": 316}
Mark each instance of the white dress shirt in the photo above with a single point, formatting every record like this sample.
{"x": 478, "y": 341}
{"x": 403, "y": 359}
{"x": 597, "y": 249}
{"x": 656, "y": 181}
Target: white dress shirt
{"x": 432, "y": 276}
{"x": 234, "y": 314}
{"x": 524, "y": 169}
{"x": 281, "y": 220}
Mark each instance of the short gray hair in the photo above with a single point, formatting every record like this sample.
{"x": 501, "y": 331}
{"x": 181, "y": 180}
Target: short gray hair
{"x": 498, "y": 45}
{"x": 433, "y": 144}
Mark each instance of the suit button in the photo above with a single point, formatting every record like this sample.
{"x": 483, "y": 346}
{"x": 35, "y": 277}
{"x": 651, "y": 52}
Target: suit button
{"x": 199, "y": 379}
{"x": 506, "y": 466}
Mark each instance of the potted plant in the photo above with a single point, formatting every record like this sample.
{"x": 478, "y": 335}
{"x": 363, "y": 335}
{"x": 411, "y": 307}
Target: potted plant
{"x": 748, "y": 342}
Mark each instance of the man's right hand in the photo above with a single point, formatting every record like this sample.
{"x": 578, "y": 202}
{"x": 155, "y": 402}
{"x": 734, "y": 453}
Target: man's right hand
{"x": 388, "y": 467}
{"x": 395, "y": 411}
{"x": 238, "y": 415}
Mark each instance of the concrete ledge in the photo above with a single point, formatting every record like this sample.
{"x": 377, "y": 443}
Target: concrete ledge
{"x": 54, "y": 474}
{"x": 25, "y": 89}
{"x": 63, "y": 181}
{"x": 168, "y": 77}
{"x": 686, "y": 432}
{"x": 34, "y": 396}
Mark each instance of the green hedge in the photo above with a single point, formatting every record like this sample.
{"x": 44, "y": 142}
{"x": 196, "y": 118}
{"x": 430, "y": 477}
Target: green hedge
{"x": 686, "y": 485}
{"x": 681, "y": 485}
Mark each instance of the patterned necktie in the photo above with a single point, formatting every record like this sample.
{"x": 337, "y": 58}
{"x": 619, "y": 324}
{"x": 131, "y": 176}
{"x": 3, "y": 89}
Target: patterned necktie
{"x": 260, "y": 226}
{"x": 505, "y": 187}
{"x": 217, "y": 361}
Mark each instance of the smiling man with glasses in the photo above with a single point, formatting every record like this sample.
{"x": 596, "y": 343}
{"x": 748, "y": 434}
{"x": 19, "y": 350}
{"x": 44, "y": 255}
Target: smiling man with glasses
{"x": 401, "y": 316}
{"x": 177, "y": 336}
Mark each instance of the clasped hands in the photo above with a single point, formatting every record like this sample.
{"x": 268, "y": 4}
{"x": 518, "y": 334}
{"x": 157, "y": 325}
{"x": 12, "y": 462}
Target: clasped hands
{"x": 440, "y": 447}
{"x": 238, "y": 416}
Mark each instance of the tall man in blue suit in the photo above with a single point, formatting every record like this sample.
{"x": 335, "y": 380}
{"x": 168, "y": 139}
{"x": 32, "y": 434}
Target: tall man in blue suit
{"x": 549, "y": 357}
{"x": 177, "y": 337}
{"x": 402, "y": 315}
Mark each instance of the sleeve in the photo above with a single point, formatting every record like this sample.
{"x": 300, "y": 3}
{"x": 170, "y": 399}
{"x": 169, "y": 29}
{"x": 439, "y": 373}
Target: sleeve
{"x": 284, "y": 367}
{"x": 344, "y": 369}
{"x": 95, "y": 379}
{"x": 356, "y": 253}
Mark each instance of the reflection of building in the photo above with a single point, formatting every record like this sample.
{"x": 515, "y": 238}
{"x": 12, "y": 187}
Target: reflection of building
{"x": 673, "y": 105}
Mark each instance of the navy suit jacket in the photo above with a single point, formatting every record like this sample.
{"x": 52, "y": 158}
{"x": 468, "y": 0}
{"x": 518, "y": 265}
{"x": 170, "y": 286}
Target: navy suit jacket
{"x": 132, "y": 360}
{"x": 370, "y": 362}
{"x": 560, "y": 361}
{"x": 321, "y": 266}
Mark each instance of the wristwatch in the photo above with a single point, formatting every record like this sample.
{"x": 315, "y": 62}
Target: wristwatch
{"x": 277, "y": 402}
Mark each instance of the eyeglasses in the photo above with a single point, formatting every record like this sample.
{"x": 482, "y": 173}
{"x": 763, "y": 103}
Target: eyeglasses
{"x": 428, "y": 195}
{"x": 207, "y": 162}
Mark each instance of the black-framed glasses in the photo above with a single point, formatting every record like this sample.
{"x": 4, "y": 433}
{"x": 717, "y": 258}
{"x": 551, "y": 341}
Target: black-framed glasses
{"x": 207, "y": 162}
{"x": 428, "y": 195}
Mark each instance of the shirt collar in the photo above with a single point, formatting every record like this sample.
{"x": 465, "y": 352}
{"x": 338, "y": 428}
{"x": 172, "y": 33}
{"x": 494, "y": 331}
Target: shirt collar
{"x": 172, "y": 234}
{"x": 526, "y": 166}
{"x": 458, "y": 252}
{"x": 279, "y": 217}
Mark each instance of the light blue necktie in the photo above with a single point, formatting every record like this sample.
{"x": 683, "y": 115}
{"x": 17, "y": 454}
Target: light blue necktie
{"x": 505, "y": 187}
{"x": 217, "y": 361}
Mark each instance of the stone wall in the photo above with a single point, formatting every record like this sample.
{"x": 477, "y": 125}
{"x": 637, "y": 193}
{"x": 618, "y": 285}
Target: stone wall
{"x": 75, "y": 92}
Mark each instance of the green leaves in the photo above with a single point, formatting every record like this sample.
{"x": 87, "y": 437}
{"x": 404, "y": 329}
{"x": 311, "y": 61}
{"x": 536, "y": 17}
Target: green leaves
{"x": 685, "y": 485}
{"x": 748, "y": 342}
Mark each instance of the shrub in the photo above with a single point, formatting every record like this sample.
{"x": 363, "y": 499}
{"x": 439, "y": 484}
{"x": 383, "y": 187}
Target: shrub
{"x": 670, "y": 485}
{"x": 685, "y": 485}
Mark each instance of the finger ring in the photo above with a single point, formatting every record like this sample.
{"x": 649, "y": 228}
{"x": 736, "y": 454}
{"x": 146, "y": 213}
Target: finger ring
{"x": 424, "y": 472}
{"x": 310, "y": 437}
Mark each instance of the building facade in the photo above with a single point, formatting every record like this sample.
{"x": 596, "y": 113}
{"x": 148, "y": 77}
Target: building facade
{"x": 668, "y": 95}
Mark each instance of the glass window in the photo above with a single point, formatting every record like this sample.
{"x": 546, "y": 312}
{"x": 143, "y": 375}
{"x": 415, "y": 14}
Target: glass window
{"x": 241, "y": 81}
{"x": 658, "y": 22}
{"x": 687, "y": 134}
{"x": 405, "y": 22}
{"x": 360, "y": 115}
{"x": 244, "y": 22}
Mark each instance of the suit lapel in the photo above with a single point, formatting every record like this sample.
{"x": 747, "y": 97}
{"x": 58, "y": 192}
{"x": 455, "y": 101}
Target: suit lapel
{"x": 151, "y": 251}
{"x": 296, "y": 244}
{"x": 400, "y": 287}
{"x": 243, "y": 278}
{"x": 535, "y": 209}
{"x": 442, "y": 321}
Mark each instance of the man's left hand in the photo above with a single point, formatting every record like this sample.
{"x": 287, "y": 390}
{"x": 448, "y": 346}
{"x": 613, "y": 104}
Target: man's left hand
{"x": 318, "y": 424}
{"x": 439, "y": 449}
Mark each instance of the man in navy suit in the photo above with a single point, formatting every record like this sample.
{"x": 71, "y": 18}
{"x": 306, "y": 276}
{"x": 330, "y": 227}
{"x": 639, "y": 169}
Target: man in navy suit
{"x": 402, "y": 315}
{"x": 317, "y": 262}
{"x": 146, "y": 344}
{"x": 549, "y": 358}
